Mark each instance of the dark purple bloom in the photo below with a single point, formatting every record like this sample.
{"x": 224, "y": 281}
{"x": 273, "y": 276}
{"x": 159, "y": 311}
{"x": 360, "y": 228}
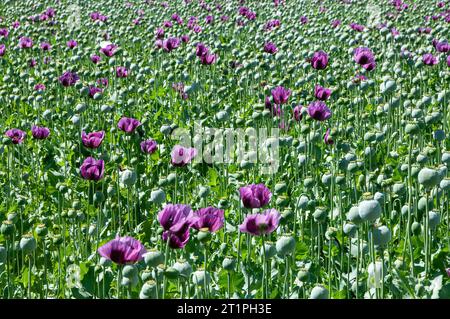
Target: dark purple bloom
{"x": 159, "y": 33}
{"x": 304, "y": 20}
{"x": 102, "y": 82}
{"x": 185, "y": 38}
{"x": 167, "y": 24}
{"x": 357, "y": 27}
{"x": 45, "y": 46}
{"x": 25, "y": 43}
{"x": 40, "y": 133}
{"x": 201, "y": 50}
{"x": 176, "y": 221}
{"x": 280, "y": 95}
{"x": 271, "y": 48}
{"x": 123, "y": 250}
{"x": 336, "y": 23}
{"x": 429, "y": 59}
{"x": 209, "y": 218}
{"x": 128, "y": 124}
{"x": 327, "y": 138}
{"x": 4, "y": 33}
{"x": 32, "y": 63}
{"x": 121, "y": 72}
{"x": 298, "y": 113}
{"x": 68, "y": 78}
{"x": 321, "y": 93}
{"x": 72, "y": 44}
{"x": 109, "y": 50}
{"x": 209, "y": 19}
{"x": 261, "y": 224}
{"x": 319, "y": 111}
{"x": 255, "y": 195}
{"x": 92, "y": 140}
{"x": 170, "y": 44}
{"x": 92, "y": 169}
{"x": 2, "y": 49}
{"x": 319, "y": 61}
{"x": 197, "y": 29}
{"x": 448, "y": 61}
{"x": 17, "y": 136}
{"x": 182, "y": 156}
{"x": 364, "y": 57}
{"x": 39, "y": 87}
{"x": 208, "y": 59}
{"x": 16, "y": 24}
{"x": 95, "y": 59}
{"x": 443, "y": 47}
{"x": 149, "y": 146}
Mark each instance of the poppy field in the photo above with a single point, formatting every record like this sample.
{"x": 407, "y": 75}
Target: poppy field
{"x": 236, "y": 149}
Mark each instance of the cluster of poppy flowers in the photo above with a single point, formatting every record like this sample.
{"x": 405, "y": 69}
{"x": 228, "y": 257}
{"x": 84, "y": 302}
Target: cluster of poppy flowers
{"x": 177, "y": 220}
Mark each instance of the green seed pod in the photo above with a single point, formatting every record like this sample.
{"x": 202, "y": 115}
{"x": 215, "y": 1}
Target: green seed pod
{"x": 399, "y": 188}
{"x": 28, "y": 244}
{"x": 129, "y": 271}
{"x": 433, "y": 219}
{"x": 303, "y": 275}
{"x": 12, "y": 217}
{"x": 381, "y": 236}
{"x": 422, "y": 204}
{"x": 183, "y": 267}
{"x": 204, "y": 191}
{"x": 7, "y": 228}
{"x": 285, "y": 245}
{"x": 128, "y": 178}
{"x": 229, "y": 263}
{"x": 350, "y": 229}
{"x": 76, "y": 205}
{"x": 148, "y": 290}
{"x": 269, "y": 249}
{"x": 353, "y": 215}
{"x": 130, "y": 281}
{"x": 308, "y": 182}
{"x": 153, "y": 258}
{"x": 171, "y": 273}
{"x": 369, "y": 210}
{"x": 157, "y": 196}
{"x": 412, "y": 128}
{"x": 198, "y": 278}
{"x": 416, "y": 228}
{"x": 302, "y": 202}
{"x": 320, "y": 214}
{"x": 319, "y": 292}
{"x": 146, "y": 275}
{"x": 445, "y": 184}
{"x": 331, "y": 233}
{"x": 111, "y": 191}
{"x": 428, "y": 177}
{"x": 41, "y": 230}
{"x": 204, "y": 236}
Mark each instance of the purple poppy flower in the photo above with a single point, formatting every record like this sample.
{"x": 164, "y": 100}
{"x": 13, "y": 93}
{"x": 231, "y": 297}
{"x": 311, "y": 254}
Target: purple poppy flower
{"x": 39, "y": 87}
{"x": 304, "y": 20}
{"x": 170, "y": 44}
{"x": 158, "y": 44}
{"x": 123, "y": 250}
{"x": 429, "y": 59}
{"x": 448, "y": 61}
{"x": 17, "y": 136}
{"x": 261, "y": 224}
{"x": 176, "y": 221}
{"x": 40, "y": 133}
{"x": 448, "y": 271}
{"x": 149, "y": 146}
{"x": 209, "y": 19}
{"x": 15, "y": 24}
{"x": 363, "y": 55}
{"x": 197, "y": 29}
{"x": 95, "y": 59}
{"x": 2, "y": 49}
{"x": 319, "y": 111}
{"x": 92, "y": 140}
{"x": 209, "y": 218}
{"x": 92, "y": 169}
{"x": 443, "y": 47}
{"x": 45, "y": 46}
{"x": 32, "y": 63}
{"x": 208, "y": 59}
{"x": 255, "y": 195}
{"x": 298, "y": 113}
{"x": 121, "y": 72}
{"x": 280, "y": 95}
{"x": 72, "y": 44}
{"x": 68, "y": 78}
{"x": 224, "y": 18}
{"x": 336, "y": 23}
{"x": 4, "y": 33}
{"x": 357, "y": 27}
{"x": 319, "y": 61}
{"x": 102, "y": 82}
{"x": 327, "y": 138}
{"x": 50, "y": 12}
{"x": 321, "y": 93}
{"x": 271, "y": 48}
{"x": 159, "y": 33}
{"x": 182, "y": 156}
{"x": 167, "y": 24}
{"x": 201, "y": 50}
{"x": 109, "y": 50}
{"x": 128, "y": 124}
{"x": 185, "y": 38}
{"x": 25, "y": 43}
